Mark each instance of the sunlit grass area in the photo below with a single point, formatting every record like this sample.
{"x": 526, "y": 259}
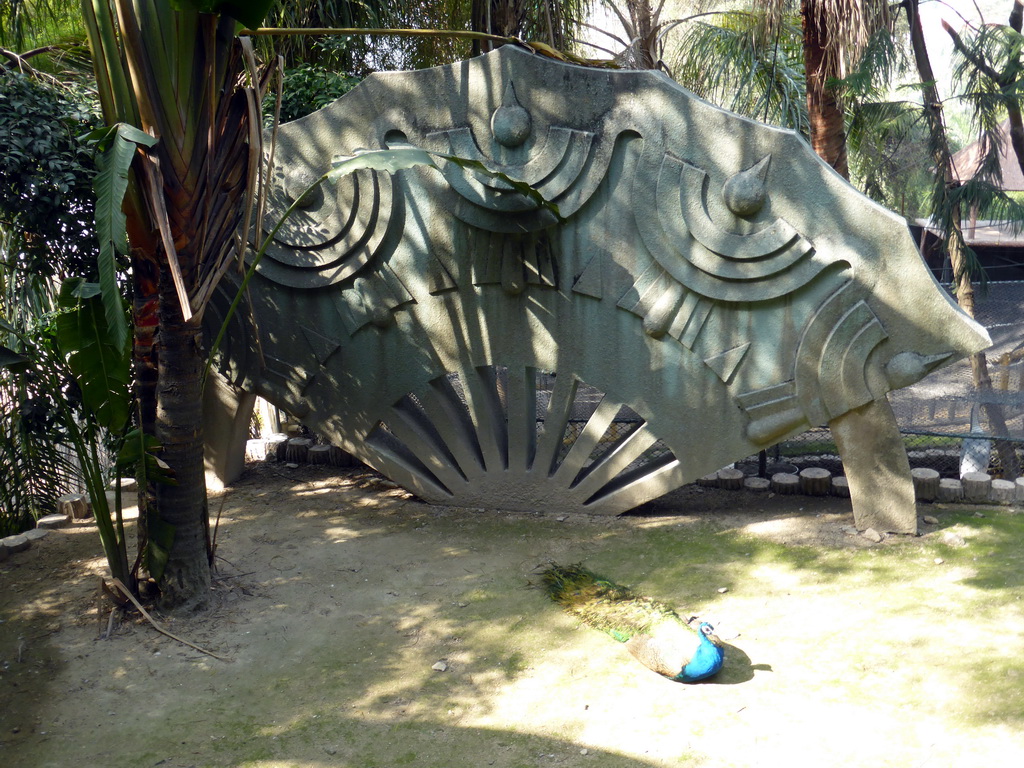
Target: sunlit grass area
{"x": 380, "y": 632}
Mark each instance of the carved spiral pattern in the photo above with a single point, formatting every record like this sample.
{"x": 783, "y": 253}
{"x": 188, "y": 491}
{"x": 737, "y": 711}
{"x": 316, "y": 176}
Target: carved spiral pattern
{"x": 335, "y": 231}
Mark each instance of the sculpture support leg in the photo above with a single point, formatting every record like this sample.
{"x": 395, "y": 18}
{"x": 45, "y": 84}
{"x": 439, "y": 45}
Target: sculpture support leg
{"x": 877, "y": 468}
{"x": 227, "y": 412}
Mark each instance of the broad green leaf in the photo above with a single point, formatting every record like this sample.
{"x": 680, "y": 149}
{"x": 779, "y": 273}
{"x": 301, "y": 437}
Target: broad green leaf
{"x": 250, "y": 13}
{"x": 100, "y": 364}
{"x": 110, "y": 185}
{"x": 11, "y": 360}
{"x": 158, "y": 545}
{"x": 137, "y": 444}
{"x": 519, "y": 186}
{"x": 387, "y": 160}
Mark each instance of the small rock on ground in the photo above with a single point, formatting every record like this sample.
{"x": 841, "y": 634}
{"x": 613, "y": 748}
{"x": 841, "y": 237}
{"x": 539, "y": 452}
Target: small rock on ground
{"x": 954, "y": 539}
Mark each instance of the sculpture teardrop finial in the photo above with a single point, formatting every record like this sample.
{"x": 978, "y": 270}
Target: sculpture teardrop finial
{"x": 510, "y": 123}
{"x": 744, "y": 193}
{"x": 299, "y": 186}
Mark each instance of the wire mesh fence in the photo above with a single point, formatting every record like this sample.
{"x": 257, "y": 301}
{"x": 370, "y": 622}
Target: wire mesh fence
{"x": 948, "y": 423}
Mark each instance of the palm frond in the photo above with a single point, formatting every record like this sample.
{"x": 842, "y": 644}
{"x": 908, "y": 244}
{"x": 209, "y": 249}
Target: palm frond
{"x": 736, "y": 63}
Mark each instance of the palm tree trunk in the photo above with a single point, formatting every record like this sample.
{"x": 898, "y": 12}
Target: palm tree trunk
{"x": 824, "y": 112}
{"x": 185, "y": 583}
{"x": 145, "y": 302}
{"x": 954, "y": 239}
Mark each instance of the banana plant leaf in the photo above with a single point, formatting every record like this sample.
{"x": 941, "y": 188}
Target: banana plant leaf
{"x": 99, "y": 363}
{"x": 251, "y": 12}
{"x": 396, "y": 159}
{"x": 11, "y": 360}
{"x": 116, "y": 152}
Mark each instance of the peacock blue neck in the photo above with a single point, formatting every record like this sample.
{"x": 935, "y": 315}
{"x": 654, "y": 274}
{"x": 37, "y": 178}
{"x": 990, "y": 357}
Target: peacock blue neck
{"x": 705, "y": 662}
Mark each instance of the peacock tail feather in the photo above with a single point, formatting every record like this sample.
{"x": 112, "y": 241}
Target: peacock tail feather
{"x": 602, "y": 604}
{"x": 653, "y": 633}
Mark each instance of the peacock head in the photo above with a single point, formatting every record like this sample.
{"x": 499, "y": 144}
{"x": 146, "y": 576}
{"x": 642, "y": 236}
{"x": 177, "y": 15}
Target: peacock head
{"x": 708, "y": 658}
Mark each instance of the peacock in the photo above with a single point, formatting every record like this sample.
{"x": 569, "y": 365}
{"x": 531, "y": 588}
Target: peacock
{"x": 652, "y": 632}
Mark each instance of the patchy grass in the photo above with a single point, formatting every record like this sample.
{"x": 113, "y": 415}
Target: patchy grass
{"x": 337, "y": 600}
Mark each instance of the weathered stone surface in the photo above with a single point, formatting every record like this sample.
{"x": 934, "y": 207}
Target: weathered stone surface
{"x": 730, "y": 479}
{"x": 275, "y": 447}
{"x": 128, "y": 485}
{"x": 950, "y": 490}
{"x": 815, "y": 481}
{"x": 296, "y": 450}
{"x": 319, "y": 454}
{"x": 17, "y": 543}
{"x": 953, "y": 539}
{"x": 708, "y": 481}
{"x": 709, "y": 287}
{"x": 1002, "y": 491}
{"x": 977, "y": 487}
{"x": 926, "y": 483}
{"x": 52, "y": 521}
{"x": 757, "y": 484}
{"x": 36, "y": 534}
{"x": 841, "y": 486}
{"x": 256, "y": 449}
{"x": 75, "y": 506}
{"x": 227, "y": 410}
{"x": 783, "y": 482}
{"x": 341, "y": 458}
{"x": 872, "y": 535}
{"x": 877, "y": 468}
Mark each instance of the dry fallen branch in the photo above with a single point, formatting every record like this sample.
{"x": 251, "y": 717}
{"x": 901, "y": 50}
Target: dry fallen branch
{"x": 117, "y": 583}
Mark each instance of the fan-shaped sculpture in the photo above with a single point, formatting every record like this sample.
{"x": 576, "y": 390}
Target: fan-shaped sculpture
{"x": 710, "y": 289}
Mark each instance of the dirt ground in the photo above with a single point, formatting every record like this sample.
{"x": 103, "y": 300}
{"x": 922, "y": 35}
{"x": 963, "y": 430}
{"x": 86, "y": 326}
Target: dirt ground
{"x": 362, "y": 628}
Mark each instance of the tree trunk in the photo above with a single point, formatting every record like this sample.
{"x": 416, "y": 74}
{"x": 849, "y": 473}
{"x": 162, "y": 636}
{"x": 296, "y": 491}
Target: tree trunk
{"x": 145, "y": 302}
{"x": 954, "y": 239}
{"x": 185, "y": 583}
{"x": 495, "y": 17}
{"x": 824, "y": 112}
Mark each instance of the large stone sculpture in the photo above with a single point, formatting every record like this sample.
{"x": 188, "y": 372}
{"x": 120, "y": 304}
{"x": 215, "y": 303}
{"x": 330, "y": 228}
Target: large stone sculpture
{"x": 712, "y": 288}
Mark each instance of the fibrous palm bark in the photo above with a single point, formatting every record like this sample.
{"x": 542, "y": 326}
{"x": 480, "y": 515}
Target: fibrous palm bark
{"x": 178, "y": 75}
{"x": 824, "y": 111}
